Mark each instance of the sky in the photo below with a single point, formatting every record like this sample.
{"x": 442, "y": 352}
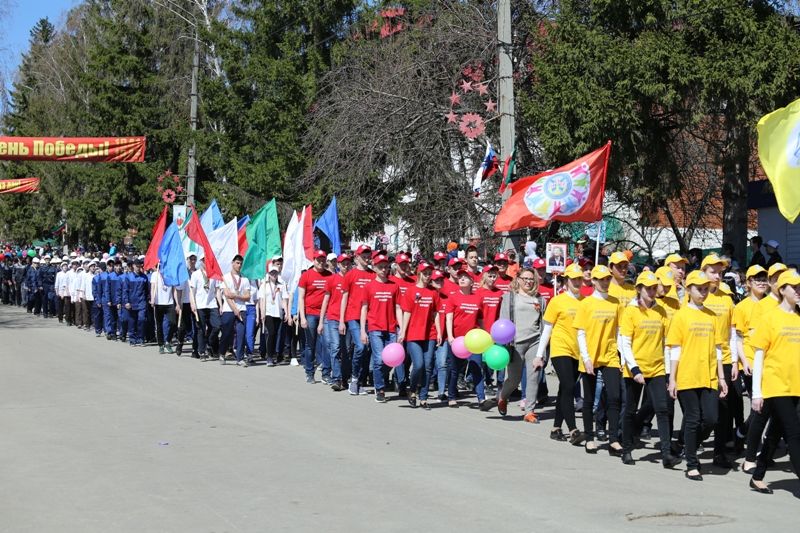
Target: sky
{"x": 17, "y": 17}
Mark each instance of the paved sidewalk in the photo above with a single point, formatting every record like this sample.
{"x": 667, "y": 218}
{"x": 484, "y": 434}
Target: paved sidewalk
{"x": 97, "y": 436}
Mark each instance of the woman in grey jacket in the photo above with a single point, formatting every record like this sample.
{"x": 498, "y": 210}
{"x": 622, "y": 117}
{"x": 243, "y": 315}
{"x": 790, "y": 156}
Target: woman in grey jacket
{"x": 522, "y": 305}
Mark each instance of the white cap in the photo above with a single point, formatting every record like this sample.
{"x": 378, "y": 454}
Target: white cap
{"x": 73, "y": 254}
{"x": 35, "y": 259}
{"x": 331, "y": 257}
{"x": 65, "y": 258}
{"x": 56, "y": 260}
{"x": 47, "y": 256}
{"x": 189, "y": 254}
{"x": 276, "y": 258}
{"x": 772, "y": 243}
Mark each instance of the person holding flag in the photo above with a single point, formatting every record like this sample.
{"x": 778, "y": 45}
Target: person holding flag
{"x": 205, "y": 304}
{"x": 237, "y": 295}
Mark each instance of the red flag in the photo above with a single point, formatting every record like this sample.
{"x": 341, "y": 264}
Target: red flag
{"x": 308, "y": 234}
{"x": 195, "y": 232}
{"x": 243, "y": 244}
{"x": 572, "y": 193}
{"x": 151, "y": 257}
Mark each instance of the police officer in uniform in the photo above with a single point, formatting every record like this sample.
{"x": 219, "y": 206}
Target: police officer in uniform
{"x": 48, "y": 273}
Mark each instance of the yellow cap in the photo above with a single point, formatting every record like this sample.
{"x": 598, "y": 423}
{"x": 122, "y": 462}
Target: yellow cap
{"x": 713, "y": 259}
{"x": 665, "y": 276}
{"x": 618, "y": 257}
{"x": 725, "y": 288}
{"x": 774, "y": 269}
{"x": 675, "y": 258}
{"x": 648, "y": 279}
{"x": 573, "y": 271}
{"x": 600, "y": 272}
{"x": 697, "y": 277}
{"x": 788, "y": 277}
{"x": 754, "y": 270}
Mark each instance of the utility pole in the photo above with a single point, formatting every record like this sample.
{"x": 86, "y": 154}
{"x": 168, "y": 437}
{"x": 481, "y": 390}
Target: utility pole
{"x": 192, "y": 166}
{"x": 505, "y": 92}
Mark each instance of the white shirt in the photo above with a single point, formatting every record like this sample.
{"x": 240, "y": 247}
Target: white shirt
{"x": 205, "y": 290}
{"x": 163, "y": 293}
{"x": 73, "y": 279}
{"x": 238, "y": 285}
{"x": 274, "y": 295}
{"x": 185, "y": 297}
{"x": 88, "y": 293}
{"x": 61, "y": 283}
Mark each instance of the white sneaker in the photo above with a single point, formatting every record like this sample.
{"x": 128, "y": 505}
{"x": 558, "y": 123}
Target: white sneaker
{"x": 222, "y": 359}
{"x": 294, "y": 362}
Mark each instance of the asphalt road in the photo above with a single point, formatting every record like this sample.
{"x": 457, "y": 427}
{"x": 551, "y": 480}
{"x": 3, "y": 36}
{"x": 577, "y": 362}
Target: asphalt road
{"x": 97, "y": 436}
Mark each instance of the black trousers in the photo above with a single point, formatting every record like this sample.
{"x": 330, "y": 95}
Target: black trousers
{"x": 208, "y": 331}
{"x": 612, "y": 380}
{"x": 723, "y": 431}
{"x": 160, "y": 312}
{"x": 187, "y": 323}
{"x": 656, "y": 389}
{"x": 700, "y": 413}
{"x": 786, "y": 422}
{"x": 567, "y": 372}
{"x": 268, "y": 344}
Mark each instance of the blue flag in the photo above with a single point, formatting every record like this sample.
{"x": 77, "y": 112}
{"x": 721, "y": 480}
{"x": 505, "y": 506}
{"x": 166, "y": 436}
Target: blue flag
{"x": 211, "y": 218}
{"x": 170, "y": 255}
{"x": 328, "y": 224}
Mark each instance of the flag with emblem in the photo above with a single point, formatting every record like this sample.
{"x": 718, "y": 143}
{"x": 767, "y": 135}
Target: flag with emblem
{"x": 779, "y": 152}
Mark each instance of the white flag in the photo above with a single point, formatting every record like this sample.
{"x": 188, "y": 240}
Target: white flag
{"x": 225, "y": 243}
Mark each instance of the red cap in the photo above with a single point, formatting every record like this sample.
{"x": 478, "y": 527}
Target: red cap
{"x": 376, "y": 253}
{"x": 378, "y": 259}
{"x": 344, "y": 257}
{"x": 489, "y": 268}
{"x": 320, "y": 253}
{"x": 439, "y": 256}
{"x": 363, "y": 248}
{"x": 455, "y": 262}
{"x": 424, "y": 266}
{"x": 500, "y": 257}
{"x": 538, "y": 263}
{"x": 402, "y": 258}
{"x": 437, "y": 274}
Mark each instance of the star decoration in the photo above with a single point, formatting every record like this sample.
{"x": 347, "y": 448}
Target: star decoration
{"x": 472, "y": 125}
{"x": 451, "y": 117}
{"x": 466, "y": 86}
{"x": 454, "y": 99}
{"x": 491, "y": 106}
{"x": 482, "y": 89}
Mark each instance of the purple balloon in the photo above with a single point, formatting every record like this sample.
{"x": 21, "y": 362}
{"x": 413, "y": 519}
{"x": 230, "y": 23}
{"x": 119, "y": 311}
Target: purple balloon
{"x": 393, "y": 354}
{"x": 503, "y": 331}
{"x": 459, "y": 350}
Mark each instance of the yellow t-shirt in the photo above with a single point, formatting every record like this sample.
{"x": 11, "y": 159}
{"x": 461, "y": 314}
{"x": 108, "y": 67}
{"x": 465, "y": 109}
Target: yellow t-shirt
{"x": 599, "y": 318}
{"x": 722, "y": 305}
{"x": 779, "y": 336}
{"x": 560, "y": 312}
{"x": 624, "y": 293}
{"x": 762, "y": 308}
{"x": 742, "y": 317}
{"x": 646, "y": 328}
{"x": 697, "y": 332}
{"x": 670, "y": 305}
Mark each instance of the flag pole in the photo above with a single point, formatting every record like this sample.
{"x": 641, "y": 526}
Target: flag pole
{"x": 597, "y": 242}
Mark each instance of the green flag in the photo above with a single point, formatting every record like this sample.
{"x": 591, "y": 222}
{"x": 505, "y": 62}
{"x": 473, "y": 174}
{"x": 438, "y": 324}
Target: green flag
{"x": 263, "y": 240}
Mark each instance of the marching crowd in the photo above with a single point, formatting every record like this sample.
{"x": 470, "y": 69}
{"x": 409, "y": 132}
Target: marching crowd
{"x": 624, "y": 345}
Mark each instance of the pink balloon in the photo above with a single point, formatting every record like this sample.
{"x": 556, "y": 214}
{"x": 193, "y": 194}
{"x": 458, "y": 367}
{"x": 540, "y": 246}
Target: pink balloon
{"x": 393, "y": 354}
{"x": 459, "y": 350}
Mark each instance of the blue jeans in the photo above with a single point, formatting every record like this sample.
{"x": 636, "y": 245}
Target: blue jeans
{"x": 442, "y": 366}
{"x": 136, "y": 319}
{"x": 377, "y": 341}
{"x": 231, "y": 325}
{"x": 335, "y": 343}
{"x": 97, "y": 317}
{"x": 310, "y": 352}
{"x": 354, "y": 332}
{"x": 250, "y": 329}
{"x": 474, "y": 370}
{"x": 421, "y": 353}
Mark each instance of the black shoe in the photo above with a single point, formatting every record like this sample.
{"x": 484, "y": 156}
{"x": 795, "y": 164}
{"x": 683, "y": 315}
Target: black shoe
{"x": 425, "y": 406}
{"x": 614, "y": 452}
{"x": 576, "y": 437}
{"x": 412, "y": 400}
{"x": 764, "y": 490}
{"x": 694, "y": 477}
{"x": 380, "y": 396}
{"x": 337, "y": 386}
{"x": 645, "y": 433}
{"x": 670, "y": 461}
{"x": 558, "y": 435}
{"x": 722, "y": 462}
{"x": 443, "y": 397}
{"x": 627, "y": 459}
{"x": 486, "y": 405}
{"x": 601, "y": 435}
{"x": 590, "y": 450}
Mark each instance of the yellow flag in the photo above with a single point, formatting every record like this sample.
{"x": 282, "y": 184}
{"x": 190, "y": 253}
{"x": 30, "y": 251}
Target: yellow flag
{"x": 779, "y": 152}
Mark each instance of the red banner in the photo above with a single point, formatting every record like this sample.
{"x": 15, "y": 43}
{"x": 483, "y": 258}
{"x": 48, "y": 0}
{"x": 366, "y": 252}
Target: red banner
{"x": 85, "y": 149}
{"x": 20, "y": 185}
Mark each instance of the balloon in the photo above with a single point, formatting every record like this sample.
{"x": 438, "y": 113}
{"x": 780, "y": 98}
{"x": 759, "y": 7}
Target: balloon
{"x": 478, "y": 340}
{"x": 459, "y": 350}
{"x": 504, "y": 331}
{"x": 31, "y": 253}
{"x": 496, "y": 357}
{"x": 393, "y": 354}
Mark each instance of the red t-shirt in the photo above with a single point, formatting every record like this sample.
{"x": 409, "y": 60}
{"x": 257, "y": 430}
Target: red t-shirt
{"x": 442, "y": 313}
{"x": 381, "y": 300}
{"x": 423, "y": 304}
{"x": 334, "y": 288}
{"x": 466, "y": 309}
{"x": 314, "y": 283}
{"x": 449, "y": 286}
{"x": 353, "y": 285}
{"x": 586, "y": 290}
{"x": 503, "y": 283}
{"x": 546, "y": 292}
{"x": 490, "y": 306}
{"x": 404, "y": 283}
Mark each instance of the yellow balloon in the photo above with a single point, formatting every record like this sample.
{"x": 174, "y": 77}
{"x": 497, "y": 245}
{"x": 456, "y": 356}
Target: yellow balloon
{"x": 478, "y": 341}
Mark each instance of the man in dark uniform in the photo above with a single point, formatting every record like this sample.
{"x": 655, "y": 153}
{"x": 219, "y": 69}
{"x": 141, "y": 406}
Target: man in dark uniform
{"x": 34, "y": 284}
{"x": 48, "y": 273}
{"x": 111, "y": 296}
{"x": 135, "y": 299}
{"x": 19, "y": 279}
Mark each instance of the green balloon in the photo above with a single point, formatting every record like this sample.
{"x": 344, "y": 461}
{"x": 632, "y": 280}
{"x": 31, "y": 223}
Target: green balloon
{"x": 496, "y": 357}
{"x": 31, "y": 253}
